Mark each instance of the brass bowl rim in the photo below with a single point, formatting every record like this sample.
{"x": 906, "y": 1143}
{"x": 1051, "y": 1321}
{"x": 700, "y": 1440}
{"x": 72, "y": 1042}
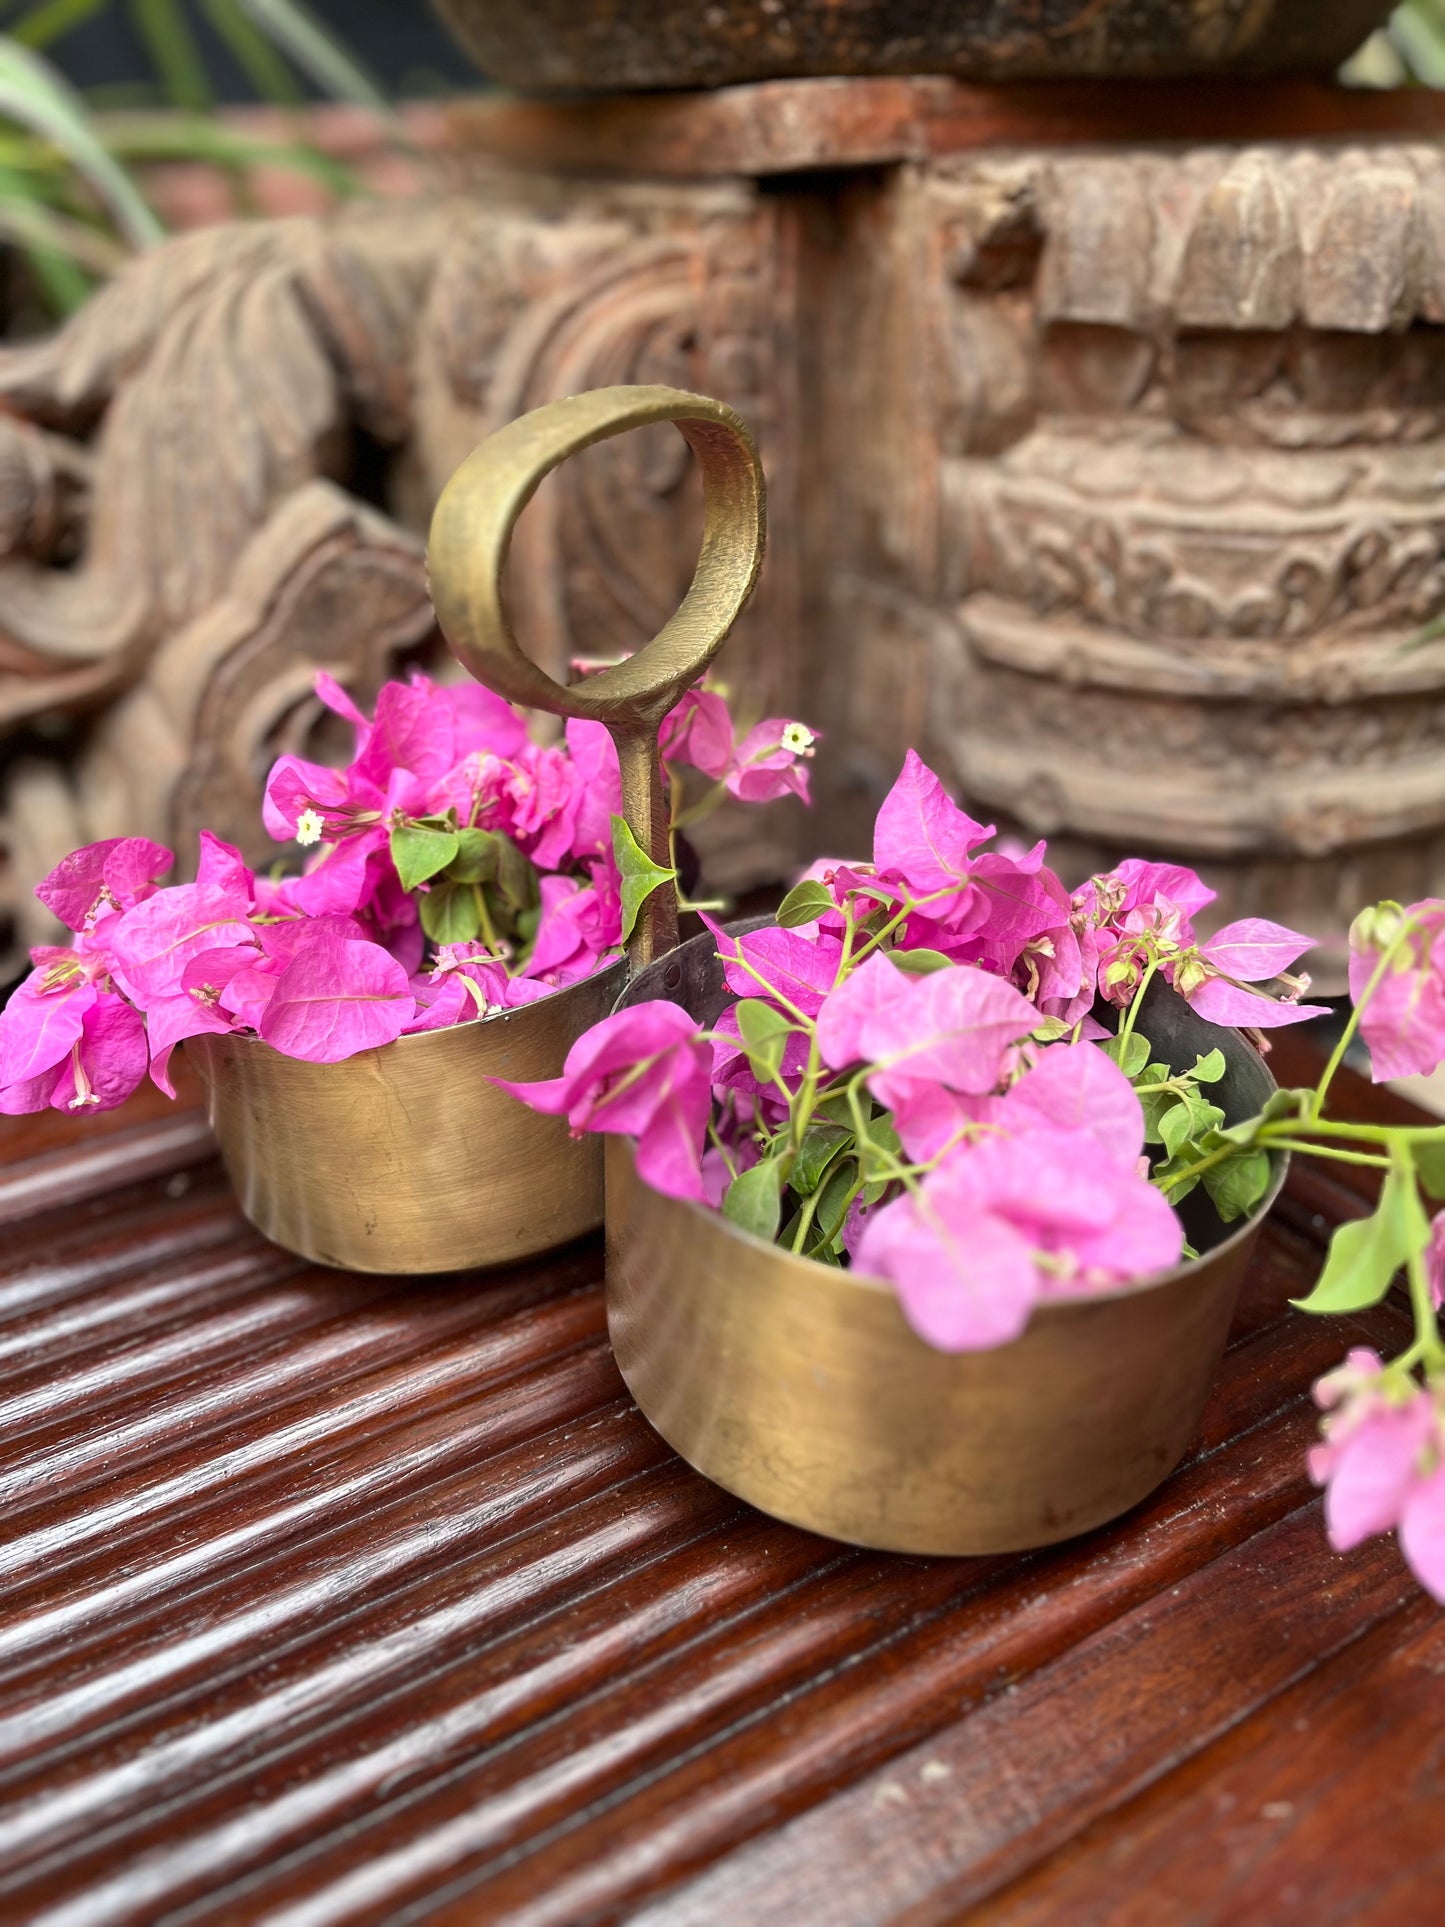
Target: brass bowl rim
{"x": 251, "y": 1040}
{"x": 869, "y": 1281}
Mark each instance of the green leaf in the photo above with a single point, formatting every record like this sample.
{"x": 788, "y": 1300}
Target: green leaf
{"x": 1154, "y": 1104}
{"x": 1131, "y": 1058}
{"x": 1209, "y": 1070}
{"x": 882, "y": 1137}
{"x": 821, "y": 1143}
{"x": 1237, "y": 1185}
{"x": 1204, "y": 1117}
{"x": 1364, "y": 1256}
{"x": 449, "y": 913}
{"x": 478, "y": 857}
{"x": 753, "y": 1200}
{"x": 804, "y": 903}
{"x": 419, "y": 854}
{"x": 1430, "y": 1164}
{"x": 920, "y": 963}
{"x": 1174, "y": 1129}
{"x": 764, "y": 1031}
{"x": 640, "y": 875}
{"x": 832, "y": 1209}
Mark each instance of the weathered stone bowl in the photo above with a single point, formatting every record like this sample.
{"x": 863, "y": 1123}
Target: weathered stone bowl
{"x": 611, "y": 46}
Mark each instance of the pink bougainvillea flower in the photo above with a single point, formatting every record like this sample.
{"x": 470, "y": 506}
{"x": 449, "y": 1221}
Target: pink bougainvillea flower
{"x": 1254, "y": 950}
{"x": 112, "y": 875}
{"x": 1076, "y": 1087}
{"x": 337, "y": 997}
{"x": 339, "y": 702}
{"x": 43, "y": 1019}
{"x": 1403, "y": 1021}
{"x": 732, "y": 1069}
{"x": 220, "y": 991}
{"x": 1435, "y": 1260}
{"x": 1219, "y": 1002}
{"x": 412, "y": 732}
{"x": 151, "y": 943}
{"x": 544, "y": 797}
{"x": 481, "y": 721}
{"x": 645, "y": 1072}
{"x": 922, "y": 836}
{"x": 929, "y": 1118}
{"x": 1171, "y": 891}
{"x": 1372, "y": 1451}
{"x": 296, "y": 787}
{"x": 222, "y": 867}
{"x": 770, "y": 762}
{"x": 952, "y": 1027}
{"x": 698, "y": 731}
{"x": 1237, "y": 956}
{"x": 580, "y": 924}
{"x": 792, "y": 969}
{"x": 1007, "y": 1220}
{"x": 1422, "y": 1530}
{"x": 599, "y": 787}
{"x": 101, "y": 1068}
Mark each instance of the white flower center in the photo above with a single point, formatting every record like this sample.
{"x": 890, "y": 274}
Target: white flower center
{"x": 309, "y": 827}
{"x": 798, "y": 738}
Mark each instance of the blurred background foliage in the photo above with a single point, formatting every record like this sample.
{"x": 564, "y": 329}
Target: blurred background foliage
{"x": 1409, "y": 50}
{"x": 94, "y": 91}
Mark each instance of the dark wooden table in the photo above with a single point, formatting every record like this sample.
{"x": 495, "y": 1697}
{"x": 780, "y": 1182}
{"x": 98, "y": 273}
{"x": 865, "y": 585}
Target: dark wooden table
{"x": 337, "y": 1599}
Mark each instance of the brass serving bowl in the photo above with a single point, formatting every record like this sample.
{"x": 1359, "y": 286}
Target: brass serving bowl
{"x": 804, "y": 1391}
{"x": 407, "y": 1158}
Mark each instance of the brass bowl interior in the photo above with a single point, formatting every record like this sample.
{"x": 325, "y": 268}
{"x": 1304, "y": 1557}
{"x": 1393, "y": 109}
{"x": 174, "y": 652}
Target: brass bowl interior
{"x": 803, "y": 1390}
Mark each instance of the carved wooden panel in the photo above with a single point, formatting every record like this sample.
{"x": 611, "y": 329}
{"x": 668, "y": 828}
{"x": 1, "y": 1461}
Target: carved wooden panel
{"x": 1188, "y": 416}
{"x": 173, "y": 568}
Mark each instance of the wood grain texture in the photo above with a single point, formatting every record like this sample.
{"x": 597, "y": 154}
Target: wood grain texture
{"x": 804, "y": 125}
{"x": 328, "y": 1599}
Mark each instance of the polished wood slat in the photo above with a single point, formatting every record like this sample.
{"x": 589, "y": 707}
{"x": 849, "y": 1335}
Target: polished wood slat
{"x": 336, "y": 1599}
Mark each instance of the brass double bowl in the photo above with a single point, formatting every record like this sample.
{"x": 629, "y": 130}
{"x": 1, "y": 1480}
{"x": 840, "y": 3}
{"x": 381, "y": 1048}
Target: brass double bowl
{"x": 800, "y": 1388}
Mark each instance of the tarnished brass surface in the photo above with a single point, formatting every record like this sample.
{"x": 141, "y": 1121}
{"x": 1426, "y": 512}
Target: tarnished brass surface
{"x": 803, "y": 1390}
{"x": 406, "y": 1158}
{"x": 470, "y": 534}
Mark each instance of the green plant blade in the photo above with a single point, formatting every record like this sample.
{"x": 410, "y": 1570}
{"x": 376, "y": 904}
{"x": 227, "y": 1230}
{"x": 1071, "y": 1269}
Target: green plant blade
{"x": 52, "y": 20}
{"x": 253, "y": 53}
{"x": 292, "y": 27}
{"x": 32, "y": 93}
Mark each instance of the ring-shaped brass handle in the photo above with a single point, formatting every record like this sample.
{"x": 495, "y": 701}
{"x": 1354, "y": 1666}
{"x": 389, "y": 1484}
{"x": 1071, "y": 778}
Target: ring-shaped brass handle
{"x": 471, "y": 532}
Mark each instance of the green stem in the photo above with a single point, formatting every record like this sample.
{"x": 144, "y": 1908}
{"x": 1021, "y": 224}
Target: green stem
{"x": 1195, "y": 1170}
{"x": 1427, "y": 1344}
{"x": 1126, "y": 1029}
{"x": 1347, "y": 1035}
{"x": 1326, "y": 1151}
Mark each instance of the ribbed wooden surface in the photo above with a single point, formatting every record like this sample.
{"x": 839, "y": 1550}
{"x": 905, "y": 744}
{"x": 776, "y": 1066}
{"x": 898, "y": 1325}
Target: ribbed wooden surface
{"x": 333, "y": 1599}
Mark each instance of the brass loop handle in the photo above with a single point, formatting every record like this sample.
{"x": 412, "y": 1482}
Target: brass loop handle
{"x": 471, "y": 532}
